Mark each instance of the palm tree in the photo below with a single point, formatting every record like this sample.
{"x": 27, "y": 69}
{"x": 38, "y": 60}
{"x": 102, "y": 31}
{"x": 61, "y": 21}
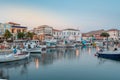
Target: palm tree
{"x": 105, "y": 34}
{"x": 20, "y": 35}
{"x": 7, "y": 34}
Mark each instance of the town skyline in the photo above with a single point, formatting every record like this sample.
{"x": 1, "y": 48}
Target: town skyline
{"x": 79, "y": 14}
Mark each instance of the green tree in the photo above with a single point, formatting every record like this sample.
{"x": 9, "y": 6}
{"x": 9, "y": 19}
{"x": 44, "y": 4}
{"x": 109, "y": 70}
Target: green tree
{"x": 7, "y": 34}
{"x": 29, "y": 35}
{"x": 105, "y": 34}
{"x": 20, "y": 35}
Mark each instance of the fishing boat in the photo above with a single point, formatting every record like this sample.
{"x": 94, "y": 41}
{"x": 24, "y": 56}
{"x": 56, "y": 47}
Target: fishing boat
{"x": 51, "y": 43}
{"x": 34, "y": 46}
{"x": 14, "y": 57}
{"x": 33, "y": 50}
{"x": 109, "y": 54}
{"x": 66, "y": 44}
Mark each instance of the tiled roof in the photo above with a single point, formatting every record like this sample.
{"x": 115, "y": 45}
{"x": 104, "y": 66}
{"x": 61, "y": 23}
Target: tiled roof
{"x": 13, "y": 23}
{"x": 56, "y": 30}
{"x": 44, "y": 26}
{"x": 113, "y": 30}
{"x": 71, "y": 29}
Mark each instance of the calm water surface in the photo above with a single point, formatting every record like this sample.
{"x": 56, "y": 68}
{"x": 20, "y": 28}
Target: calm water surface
{"x": 62, "y": 64}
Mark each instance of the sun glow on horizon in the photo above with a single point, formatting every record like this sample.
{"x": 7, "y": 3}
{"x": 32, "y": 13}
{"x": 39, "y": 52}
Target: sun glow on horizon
{"x": 31, "y": 18}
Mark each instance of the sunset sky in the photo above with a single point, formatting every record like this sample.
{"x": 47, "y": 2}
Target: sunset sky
{"x": 85, "y": 15}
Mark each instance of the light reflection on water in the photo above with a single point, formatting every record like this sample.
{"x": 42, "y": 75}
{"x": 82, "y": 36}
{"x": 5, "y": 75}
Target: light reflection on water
{"x": 62, "y": 64}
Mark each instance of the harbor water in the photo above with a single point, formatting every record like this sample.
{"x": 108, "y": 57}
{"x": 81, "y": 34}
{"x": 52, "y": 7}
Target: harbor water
{"x": 62, "y": 64}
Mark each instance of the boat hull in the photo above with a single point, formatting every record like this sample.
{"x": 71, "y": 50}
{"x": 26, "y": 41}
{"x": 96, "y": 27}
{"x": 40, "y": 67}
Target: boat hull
{"x": 65, "y": 46}
{"x": 12, "y": 57}
{"x": 109, "y": 56}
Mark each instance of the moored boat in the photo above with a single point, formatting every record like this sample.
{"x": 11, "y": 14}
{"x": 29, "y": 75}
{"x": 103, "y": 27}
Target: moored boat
{"x": 109, "y": 54}
{"x": 51, "y": 43}
{"x": 66, "y": 46}
{"x": 32, "y": 46}
{"x": 14, "y": 57}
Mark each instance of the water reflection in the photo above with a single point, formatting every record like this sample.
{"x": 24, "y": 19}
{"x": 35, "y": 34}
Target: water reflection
{"x": 78, "y": 59}
{"x": 5, "y": 67}
{"x": 105, "y": 60}
{"x": 37, "y": 63}
{"x": 54, "y": 55}
{"x": 77, "y": 53}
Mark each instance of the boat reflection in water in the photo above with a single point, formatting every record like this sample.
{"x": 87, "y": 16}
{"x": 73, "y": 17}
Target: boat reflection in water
{"x": 108, "y": 60}
{"x": 54, "y": 55}
{"x": 59, "y": 64}
{"x": 5, "y": 68}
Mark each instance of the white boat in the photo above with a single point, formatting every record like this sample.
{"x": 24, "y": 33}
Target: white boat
{"x": 33, "y": 50}
{"x": 13, "y": 57}
{"x": 66, "y": 44}
{"x": 51, "y": 43}
{"x": 34, "y": 47}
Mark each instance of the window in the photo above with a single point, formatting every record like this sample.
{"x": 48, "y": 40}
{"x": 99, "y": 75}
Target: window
{"x": 18, "y": 30}
{"x": 64, "y": 33}
{"x": 74, "y": 33}
{"x": 12, "y": 30}
{"x": 23, "y": 30}
{"x": 54, "y": 33}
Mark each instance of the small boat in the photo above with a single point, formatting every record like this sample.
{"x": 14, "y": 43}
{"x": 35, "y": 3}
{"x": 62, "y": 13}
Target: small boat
{"x": 14, "y": 57}
{"x": 32, "y": 46}
{"x": 51, "y": 43}
{"x": 109, "y": 54}
{"x": 66, "y": 46}
{"x": 33, "y": 50}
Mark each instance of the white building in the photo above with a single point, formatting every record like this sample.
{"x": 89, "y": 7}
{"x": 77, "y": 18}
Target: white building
{"x": 57, "y": 34}
{"x": 71, "y": 34}
{"x": 44, "y": 32}
{"x": 114, "y": 34}
{"x": 3, "y": 27}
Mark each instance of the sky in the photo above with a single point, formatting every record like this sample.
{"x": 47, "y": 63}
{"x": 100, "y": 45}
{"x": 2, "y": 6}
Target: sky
{"x": 85, "y": 15}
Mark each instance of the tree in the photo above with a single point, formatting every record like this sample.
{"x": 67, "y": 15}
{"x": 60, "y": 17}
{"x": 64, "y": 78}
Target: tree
{"x": 7, "y": 34}
{"x": 29, "y": 35}
{"x": 92, "y": 38}
{"x": 20, "y": 35}
{"x": 105, "y": 34}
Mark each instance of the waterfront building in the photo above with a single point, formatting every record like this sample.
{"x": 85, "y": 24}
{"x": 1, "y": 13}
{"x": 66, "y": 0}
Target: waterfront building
{"x": 44, "y": 32}
{"x": 16, "y": 28}
{"x": 3, "y": 28}
{"x": 114, "y": 34}
{"x": 71, "y": 34}
{"x": 57, "y": 34}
